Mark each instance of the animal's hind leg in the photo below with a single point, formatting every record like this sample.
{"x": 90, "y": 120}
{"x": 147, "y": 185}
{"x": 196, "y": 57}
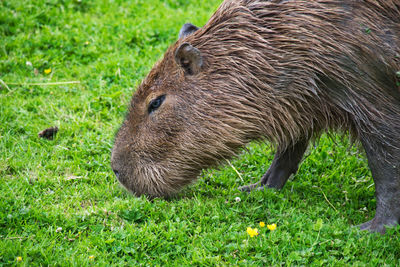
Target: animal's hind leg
{"x": 285, "y": 163}
{"x": 385, "y": 169}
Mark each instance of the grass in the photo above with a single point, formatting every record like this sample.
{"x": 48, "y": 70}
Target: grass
{"x": 60, "y": 203}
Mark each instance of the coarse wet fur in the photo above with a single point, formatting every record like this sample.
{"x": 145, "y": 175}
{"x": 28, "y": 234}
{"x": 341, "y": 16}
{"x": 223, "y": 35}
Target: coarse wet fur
{"x": 277, "y": 71}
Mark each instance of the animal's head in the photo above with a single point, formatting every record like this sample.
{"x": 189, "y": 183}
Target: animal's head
{"x": 177, "y": 124}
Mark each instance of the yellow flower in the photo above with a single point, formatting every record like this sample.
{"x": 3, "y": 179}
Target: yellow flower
{"x": 262, "y": 224}
{"x": 252, "y": 232}
{"x": 19, "y": 259}
{"x": 91, "y": 257}
{"x": 47, "y": 71}
{"x": 271, "y": 227}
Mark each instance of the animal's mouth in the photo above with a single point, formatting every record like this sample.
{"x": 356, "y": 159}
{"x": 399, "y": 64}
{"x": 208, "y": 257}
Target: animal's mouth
{"x": 116, "y": 174}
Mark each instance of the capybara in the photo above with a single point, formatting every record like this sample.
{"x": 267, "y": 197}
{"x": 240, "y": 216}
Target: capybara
{"x": 278, "y": 71}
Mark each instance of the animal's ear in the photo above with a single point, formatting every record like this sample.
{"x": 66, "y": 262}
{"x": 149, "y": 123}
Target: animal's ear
{"x": 187, "y": 29}
{"x": 189, "y": 58}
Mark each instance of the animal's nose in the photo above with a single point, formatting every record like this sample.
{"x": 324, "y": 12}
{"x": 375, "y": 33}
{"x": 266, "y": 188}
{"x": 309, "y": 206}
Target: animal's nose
{"x": 116, "y": 173}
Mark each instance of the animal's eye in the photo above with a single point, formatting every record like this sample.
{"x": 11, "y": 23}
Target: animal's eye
{"x": 155, "y": 103}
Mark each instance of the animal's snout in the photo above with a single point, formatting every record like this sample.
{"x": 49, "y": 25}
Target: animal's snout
{"x": 116, "y": 164}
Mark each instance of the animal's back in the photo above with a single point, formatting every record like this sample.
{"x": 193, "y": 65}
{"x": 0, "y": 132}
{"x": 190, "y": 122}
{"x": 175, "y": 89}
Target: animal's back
{"x": 334, "y": 59}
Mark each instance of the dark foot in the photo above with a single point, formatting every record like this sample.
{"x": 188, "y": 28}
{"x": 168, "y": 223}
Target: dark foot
{"x": 255, "y": 187}
{"x": 377, "y": 226}
{"x": 365, "y": 226}
{"x": 250, "y": 187}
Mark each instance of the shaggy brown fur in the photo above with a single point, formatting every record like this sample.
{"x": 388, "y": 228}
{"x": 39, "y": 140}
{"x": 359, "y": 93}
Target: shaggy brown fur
{"x": 282, "y": 71}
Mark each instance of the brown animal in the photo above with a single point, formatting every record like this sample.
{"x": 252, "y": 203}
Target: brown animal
{"x": 280, "y": 71}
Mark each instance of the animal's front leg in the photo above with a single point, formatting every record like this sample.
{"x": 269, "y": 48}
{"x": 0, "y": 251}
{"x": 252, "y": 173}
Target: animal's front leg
{"x": 285, "y": 163}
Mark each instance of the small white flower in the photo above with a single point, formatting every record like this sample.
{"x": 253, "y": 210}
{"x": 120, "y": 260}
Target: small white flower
{"x": 237, "y": 199}
{"x": 29, "y": 64}
{"x": 59, "y": 229}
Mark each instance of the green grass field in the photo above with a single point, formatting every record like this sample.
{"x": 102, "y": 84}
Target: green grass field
{"x": 60, "y": 203}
